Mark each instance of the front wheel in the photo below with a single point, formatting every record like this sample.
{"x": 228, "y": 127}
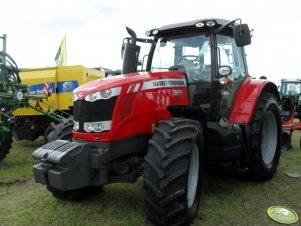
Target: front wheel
{"x": 60, "y": 131}
{"x": 5, "y": 145}
{"x": 173, "y": 172}
{"x": 266, "y": 132}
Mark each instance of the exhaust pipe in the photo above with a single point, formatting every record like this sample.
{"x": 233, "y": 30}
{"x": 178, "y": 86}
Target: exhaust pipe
{"x": 130, "y": 54}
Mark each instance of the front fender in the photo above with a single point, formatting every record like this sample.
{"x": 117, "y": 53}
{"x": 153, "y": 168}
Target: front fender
{"x": 247, "y": 97}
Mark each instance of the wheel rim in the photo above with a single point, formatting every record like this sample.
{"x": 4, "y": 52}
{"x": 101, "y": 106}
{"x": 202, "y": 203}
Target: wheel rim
{"x": 193, "y": 176}
{"x": 269, "y": 138}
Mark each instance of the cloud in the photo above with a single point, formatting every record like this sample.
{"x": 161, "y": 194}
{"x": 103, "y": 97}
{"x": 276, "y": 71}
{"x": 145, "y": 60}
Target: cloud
{"x": 62, "y": 23}
{"x": 105, "y": 9}
{"x": 95, "y": 29}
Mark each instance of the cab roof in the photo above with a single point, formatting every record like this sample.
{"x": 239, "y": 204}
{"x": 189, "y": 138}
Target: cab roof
{"x": 188, "y": 27}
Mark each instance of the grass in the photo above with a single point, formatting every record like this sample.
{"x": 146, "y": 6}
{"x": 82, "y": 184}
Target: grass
{"x": 17, "y": 165}
{"x": 226, "y": 201}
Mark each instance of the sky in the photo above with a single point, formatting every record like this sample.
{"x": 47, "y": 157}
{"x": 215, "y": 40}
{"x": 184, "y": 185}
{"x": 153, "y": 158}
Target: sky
{"x": 95, "y": 29}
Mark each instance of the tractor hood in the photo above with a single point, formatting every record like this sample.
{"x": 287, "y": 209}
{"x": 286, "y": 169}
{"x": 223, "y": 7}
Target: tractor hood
{"x": 121, "y": 80}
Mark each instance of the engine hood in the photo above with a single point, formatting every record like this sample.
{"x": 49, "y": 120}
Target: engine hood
{"x": 121, "y": 80}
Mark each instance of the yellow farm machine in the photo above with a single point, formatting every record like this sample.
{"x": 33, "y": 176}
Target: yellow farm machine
{"x": 39, "y": 105}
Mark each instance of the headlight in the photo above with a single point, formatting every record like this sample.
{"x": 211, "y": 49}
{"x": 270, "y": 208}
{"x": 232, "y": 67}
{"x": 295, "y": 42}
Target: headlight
{"x": 156, "y": 31}
{"x": 199, "y": 24}
{"x": 92, "y": 97}
{"x": 210, "y": 23}
{"x": 88, "y": 127}
{"x": 105, "y": 94}
{"x": 97, "y": 126}
{"x": 147, "y": 33}
{"x": 75, "y": 126}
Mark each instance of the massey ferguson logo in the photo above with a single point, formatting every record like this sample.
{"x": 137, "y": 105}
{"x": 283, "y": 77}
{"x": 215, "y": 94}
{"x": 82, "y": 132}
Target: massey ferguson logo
{"x": 164, "y": 83}
{"x": 80, "y": 96}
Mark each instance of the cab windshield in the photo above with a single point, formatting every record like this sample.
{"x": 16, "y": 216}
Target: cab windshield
{"x": 192, "y": 54}
{"x": 290, "y": 88}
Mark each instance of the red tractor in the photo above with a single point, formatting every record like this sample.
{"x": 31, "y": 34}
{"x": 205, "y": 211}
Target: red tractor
{"x": 195, "y": 107}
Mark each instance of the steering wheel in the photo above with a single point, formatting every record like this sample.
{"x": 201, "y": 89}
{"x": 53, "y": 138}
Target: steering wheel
{"x": 193, "y": 66}
{"x": 189, "y": 58}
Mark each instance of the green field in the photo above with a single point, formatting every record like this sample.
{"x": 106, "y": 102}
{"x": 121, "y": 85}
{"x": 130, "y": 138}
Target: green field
{"x": 226, "y": 201}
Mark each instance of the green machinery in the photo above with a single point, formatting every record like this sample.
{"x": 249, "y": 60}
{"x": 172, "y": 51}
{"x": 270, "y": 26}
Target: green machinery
{"x": 290, "y": 94}
{"x": 15, "y": 95}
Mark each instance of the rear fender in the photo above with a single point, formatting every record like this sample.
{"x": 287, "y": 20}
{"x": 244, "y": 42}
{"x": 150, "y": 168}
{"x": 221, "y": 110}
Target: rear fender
{"x": 247, "y": 97}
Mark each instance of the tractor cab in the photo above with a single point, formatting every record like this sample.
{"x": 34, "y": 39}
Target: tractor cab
{"x": 206, "y": 51}
{"x": 209, "y": 52}
{"x": 290, "y": 93}
{"x": 290, "y": 104}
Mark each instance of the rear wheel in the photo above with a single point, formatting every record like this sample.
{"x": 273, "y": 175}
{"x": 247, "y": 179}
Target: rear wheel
{"x": 173, "y": 172}
{"x": 5, "y": 145}
{"x": 61, "y": 131}
{"x": 266, "y": 132}
{"x": 77, "y": 194}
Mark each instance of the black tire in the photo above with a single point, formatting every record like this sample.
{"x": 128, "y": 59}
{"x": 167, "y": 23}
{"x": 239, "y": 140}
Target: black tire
{"x": 75, "y": 195}
{"x": 265, "y": 132}
{"x": 5, "y": 145}
{"x": 286, "y": 142}
{"x": 61, "y": 131}
{"x": 175, "y": 149}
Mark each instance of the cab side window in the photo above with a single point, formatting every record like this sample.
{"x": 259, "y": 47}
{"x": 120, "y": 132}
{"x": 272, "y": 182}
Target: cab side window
{"x": 231, "y": 55}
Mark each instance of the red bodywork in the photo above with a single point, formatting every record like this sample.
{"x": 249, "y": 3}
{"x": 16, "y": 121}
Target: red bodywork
{"x": 141, "y": 104}
{"x": 144, "y": 97}
{"x": 246, "y": 100}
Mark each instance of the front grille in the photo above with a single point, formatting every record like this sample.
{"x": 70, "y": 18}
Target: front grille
{"x": 99, "y": 110}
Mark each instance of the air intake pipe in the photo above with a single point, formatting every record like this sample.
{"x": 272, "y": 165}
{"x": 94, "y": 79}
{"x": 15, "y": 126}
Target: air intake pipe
{"x": 130, "y": 54}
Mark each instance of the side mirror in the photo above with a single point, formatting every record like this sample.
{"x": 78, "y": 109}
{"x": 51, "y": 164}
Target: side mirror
{"x": 242, "y": 35}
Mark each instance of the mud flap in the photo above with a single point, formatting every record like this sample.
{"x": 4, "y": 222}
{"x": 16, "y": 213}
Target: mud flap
{"x": 64, "y": 165}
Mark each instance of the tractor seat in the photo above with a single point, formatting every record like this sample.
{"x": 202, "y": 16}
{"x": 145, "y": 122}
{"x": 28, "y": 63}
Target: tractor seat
{"x": 178, "y": 68}
{"x": 183, "y": 69}
{"x": 190, "y": 81}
